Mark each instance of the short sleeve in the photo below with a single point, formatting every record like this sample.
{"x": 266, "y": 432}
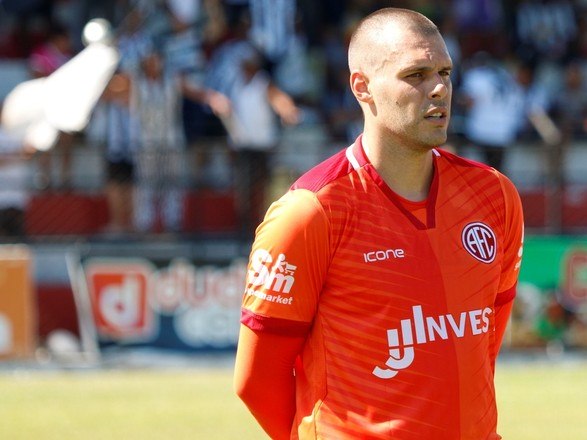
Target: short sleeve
{"x": 513, "y": 242}
{"x": 287, "y": 265}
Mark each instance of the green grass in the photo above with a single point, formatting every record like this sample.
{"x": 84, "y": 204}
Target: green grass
{"x": 125, "y": 405}
{"x": 543, "y": 401}
{"x": 536, "y": 401}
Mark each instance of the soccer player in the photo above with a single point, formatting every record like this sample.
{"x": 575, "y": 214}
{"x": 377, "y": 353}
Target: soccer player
{"x": 379, "y": 287}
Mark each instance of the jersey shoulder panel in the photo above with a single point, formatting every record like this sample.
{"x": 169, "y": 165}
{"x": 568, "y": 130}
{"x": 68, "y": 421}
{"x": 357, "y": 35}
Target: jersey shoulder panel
{"x": 324, "y": 173}
{"x": 462, "y": 161}
{"x": 484, "y": 179}
{"x": 506, "y": 186}
{"x": 287, "y": 266}
{"x": 294, "y": 213}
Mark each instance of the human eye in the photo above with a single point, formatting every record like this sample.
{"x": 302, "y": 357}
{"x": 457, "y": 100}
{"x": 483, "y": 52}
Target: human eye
{"x": 415, "y": 75}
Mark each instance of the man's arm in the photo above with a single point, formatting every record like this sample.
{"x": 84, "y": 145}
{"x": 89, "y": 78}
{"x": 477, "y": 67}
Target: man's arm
{"x": 283, "y": 105}
{"x": 218, "y": 103}
{"x": 502, "y": 316}
{"x": 264, "y": 378}
{"x": 513, "y": 245}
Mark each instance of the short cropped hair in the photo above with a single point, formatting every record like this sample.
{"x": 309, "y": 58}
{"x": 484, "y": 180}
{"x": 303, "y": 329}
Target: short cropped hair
{"x": 380, "y": 20}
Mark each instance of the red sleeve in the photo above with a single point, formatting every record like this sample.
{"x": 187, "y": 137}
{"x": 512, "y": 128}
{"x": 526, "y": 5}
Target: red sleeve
{"x": 503, "y": 311}
{"x": 264, "y": 378}
{"x": 513, "y": 242}
{"x": 502, "y": 316}
{"x": 289, "y": 260}
{"x": 283, "y": 327}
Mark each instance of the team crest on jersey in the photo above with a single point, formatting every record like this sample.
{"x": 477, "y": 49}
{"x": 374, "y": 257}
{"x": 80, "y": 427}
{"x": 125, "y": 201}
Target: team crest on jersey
{"x": 479, "y": 240}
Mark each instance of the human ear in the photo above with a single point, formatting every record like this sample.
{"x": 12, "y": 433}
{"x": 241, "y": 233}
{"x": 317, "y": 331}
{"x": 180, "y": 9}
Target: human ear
{"x": 360, "y": 87}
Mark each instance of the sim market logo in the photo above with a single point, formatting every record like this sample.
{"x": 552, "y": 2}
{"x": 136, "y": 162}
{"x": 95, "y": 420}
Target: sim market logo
{"x": 427, "y": 329}
{"x": 479, "y": 240}
{"x": 270, "y": 280}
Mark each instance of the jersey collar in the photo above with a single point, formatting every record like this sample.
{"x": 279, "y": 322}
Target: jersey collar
{"x": 358, "y": 159}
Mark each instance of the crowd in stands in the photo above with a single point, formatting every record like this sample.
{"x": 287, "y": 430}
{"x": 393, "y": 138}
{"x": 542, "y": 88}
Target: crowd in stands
{"x": 240, "y": 70}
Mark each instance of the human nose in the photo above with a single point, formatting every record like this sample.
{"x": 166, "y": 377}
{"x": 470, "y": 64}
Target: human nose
{"x": 441, "y": 88}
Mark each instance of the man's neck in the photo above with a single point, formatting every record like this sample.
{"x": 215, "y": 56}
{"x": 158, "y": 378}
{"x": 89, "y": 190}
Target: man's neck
{"x": 408, "y": 172}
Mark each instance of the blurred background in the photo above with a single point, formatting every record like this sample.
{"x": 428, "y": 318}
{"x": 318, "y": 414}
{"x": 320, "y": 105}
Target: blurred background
{"x": 141, "y": 142}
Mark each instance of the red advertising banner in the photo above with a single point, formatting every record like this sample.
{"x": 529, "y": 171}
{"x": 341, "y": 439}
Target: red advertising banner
{"x": 119, "y": 298}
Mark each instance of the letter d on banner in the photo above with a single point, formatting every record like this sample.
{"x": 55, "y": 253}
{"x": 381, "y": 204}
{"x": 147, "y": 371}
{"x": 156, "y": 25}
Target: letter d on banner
{"x": 119, "y": 291}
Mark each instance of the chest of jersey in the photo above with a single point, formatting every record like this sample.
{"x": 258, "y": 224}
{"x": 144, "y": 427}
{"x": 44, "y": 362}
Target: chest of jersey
{"x": 403, "y": 294}
{"x": 383, "y": 256}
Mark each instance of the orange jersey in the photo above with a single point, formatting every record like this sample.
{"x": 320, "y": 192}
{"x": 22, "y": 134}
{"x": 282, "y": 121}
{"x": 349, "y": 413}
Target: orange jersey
{"x": 398, "y": 312}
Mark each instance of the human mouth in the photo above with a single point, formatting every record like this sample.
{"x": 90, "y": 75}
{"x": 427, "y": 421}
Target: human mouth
{"x": 438, "y": 115}
{"x": 437, "y": 112}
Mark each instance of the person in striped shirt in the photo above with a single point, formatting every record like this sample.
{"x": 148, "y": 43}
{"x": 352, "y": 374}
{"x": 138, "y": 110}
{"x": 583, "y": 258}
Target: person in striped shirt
{"x": 380, "y": 285}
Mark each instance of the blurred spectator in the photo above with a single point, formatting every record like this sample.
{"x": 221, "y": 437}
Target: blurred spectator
{"x": 494, "y": 102}
{"x": 580, "y": 49}
{"x": 190, "y": 26}
{"x": 154, "y": 101}
{"x": 501, "y": 108}
{"x": 316, "y": 16}
{"x": 273, "y": 25}
{"x": 341, "y": 111}
{"x": 479, "y": 22}
{"x": 52, "y": 54}
{"x": 223, "y": 69}
{"x": 570, "y": 103}
{"x": 119, "y": 156}
{"x": 14, "y": 185}
{"x": 234, "y": 10}
{"x": 553, "y": 323}
{"x": 133, "y": 43}
{"x": 535, "y": 118}
{"x": 204, "y": 43}
{"x": 70, "y": 13}
{"x": 142, "y": 109}
{"x": 43, "y": 61}
{"x": 449, "y": 30}
{"x": 482, "y": 16}
{"x": 160, "y": 167}
{"x": 545, "y": 29}
{"x": 253, "y": 134}
{"x": 134, "y": 40}
{"x": 293, "y": 73}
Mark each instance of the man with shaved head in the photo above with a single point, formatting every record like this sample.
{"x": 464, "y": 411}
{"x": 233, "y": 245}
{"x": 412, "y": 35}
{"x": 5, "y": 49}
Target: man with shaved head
{"x": 379, "y": 286}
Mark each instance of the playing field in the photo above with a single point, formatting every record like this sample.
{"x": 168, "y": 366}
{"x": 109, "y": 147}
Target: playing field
{"x": 537, "y": 401}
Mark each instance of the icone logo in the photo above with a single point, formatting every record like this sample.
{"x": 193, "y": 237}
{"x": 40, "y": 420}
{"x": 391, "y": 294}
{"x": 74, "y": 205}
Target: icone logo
{"x": 383, "y": 255}
{"x": 278, "y": 277}
{"x": 480, "y": 241}
{"x": 427, "y": 329}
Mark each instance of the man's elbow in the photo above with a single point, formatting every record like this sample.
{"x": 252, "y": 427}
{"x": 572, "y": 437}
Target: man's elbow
{"x": 240, "y": 388}
{"x": 244, "y": 389}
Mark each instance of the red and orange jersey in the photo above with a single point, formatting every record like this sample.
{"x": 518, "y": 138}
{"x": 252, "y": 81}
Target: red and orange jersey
{"x": 397, "y": 299}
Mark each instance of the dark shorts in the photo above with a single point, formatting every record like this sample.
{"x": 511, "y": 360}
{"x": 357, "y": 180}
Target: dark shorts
{"x": 11, "y": 222}
{"x": 121, "y": 171}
